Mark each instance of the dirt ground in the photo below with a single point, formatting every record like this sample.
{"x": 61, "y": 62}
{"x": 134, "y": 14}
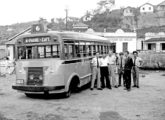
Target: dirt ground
{"x": 145, "y": 103}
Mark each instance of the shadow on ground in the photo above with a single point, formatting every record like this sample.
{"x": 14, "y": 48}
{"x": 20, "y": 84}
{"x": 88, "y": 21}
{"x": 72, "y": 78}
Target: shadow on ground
{"x": 110, "y": 115}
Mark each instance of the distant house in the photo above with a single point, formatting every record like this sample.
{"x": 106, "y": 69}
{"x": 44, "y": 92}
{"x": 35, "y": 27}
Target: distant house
{"x": 161, "y": 6}
{"x": 161, "y": 10}
{"x": 146, "y": 8}
{"x": 80, "y": 27}
{"x": 128, "y": 11}
{"x": 155, "y": 42}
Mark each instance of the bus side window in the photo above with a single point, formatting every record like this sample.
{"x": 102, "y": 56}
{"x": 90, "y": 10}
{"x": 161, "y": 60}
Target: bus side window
{"x": 66, "y": 51}
{"x": 102, "y": 52}
{"x": 41, "y": 51}
{"x": 70, "y": 51}
{"x": 48, "y": 51}
{"x": 77, "y": 49}
{"x": 94, "y": 49}
{"x": 55, "y": 51}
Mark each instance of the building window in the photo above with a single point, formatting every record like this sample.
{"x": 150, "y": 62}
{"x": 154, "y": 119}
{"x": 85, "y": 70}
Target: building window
{"x": 149, "y": 46}
{"x": 152, "y": 46}
{"x": 149, "y": 8}
{"x": 143, "y": 8}
{"x": 163, "y": 46}
{"x": 125, "y": 46}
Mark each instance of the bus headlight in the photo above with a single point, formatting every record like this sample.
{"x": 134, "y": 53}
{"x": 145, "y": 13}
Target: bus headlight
{"x": 40, "y": 77}
{"x": 31, "y": 77}
{"x": 19, "y": 81}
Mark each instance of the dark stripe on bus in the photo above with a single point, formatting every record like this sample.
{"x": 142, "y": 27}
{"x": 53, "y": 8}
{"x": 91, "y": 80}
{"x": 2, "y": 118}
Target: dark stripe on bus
{"x": 76, "y": 61}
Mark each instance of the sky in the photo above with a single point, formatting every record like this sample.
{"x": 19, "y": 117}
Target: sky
{"x": 17, "y": 11}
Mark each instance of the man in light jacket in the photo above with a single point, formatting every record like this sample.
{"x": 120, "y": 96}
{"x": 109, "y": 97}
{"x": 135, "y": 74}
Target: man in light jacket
{"x": 96, "y": 72}
{"x": 121, "y": 63}
{"x": 137, "y": 62}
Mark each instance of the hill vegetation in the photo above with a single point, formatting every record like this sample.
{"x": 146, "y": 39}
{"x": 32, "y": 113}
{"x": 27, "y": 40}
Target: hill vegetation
{"x": 100, "y": 19}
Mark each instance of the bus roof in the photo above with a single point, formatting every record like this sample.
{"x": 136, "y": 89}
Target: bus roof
{"x": 70, "y": 36}
{"x": 82, "y": 36}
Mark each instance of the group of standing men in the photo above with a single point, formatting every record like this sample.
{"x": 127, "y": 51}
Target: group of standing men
{"x": 107, "y": 69}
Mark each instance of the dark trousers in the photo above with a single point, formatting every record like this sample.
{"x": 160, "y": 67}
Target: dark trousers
{"x": 127, "y": 78}
{"x": 120, "y": 73}
{"x": 105, "y": 74}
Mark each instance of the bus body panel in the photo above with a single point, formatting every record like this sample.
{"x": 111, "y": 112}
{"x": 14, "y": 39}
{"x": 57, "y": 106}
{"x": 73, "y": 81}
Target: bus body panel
{"x": 80, "y": 69}
{"x": 53, "y": 76}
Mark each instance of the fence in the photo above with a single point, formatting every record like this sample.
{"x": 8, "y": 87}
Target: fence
{"x": 6, "y": 67}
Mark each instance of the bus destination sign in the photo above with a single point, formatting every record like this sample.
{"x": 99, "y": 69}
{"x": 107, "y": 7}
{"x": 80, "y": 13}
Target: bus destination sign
{"x": 37, "y": 40}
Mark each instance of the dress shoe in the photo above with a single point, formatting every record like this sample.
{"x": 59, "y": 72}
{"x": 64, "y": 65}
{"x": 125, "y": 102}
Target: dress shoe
{"x": 99, "y": 89}
{"x": 137, "y": 86}
{"x": 128, "y": 90}
{"x": 116, "y": 86}
{"x": 119, "y": 85}
{"x": 91, "y": 88}
{"x": 125, "y": 88}
{"x": 134, "y": 86}
{"x": 109, "y": 87}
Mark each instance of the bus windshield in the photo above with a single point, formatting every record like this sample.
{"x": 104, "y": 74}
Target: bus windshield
{"x": 37, "y": 52}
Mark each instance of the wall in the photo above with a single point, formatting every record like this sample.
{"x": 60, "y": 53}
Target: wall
{"x": 6, "y": 67}
{"x": 139, "y": 44}
{"x": 10, "y": 49}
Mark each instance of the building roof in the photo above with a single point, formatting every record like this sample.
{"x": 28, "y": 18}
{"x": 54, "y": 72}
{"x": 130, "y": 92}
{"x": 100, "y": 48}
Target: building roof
{"x": 146, "y": 4}
{"x": 162, "y": 3}
{"x": 162, "y": 39}
{"x": 80, "y": 25}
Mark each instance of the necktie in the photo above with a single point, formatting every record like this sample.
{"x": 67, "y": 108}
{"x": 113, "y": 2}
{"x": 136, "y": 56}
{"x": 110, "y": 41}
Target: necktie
{"x": 97, "y": 62}
{"x": 134, "y": 61}
{"x": 121, "y": 63}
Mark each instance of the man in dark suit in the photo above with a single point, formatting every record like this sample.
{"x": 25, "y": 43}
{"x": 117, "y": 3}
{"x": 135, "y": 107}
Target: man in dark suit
{"x": 127, "y": 70}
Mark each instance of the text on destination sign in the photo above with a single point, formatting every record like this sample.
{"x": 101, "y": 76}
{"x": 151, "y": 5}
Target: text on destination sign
{"x": 37, "y": 40}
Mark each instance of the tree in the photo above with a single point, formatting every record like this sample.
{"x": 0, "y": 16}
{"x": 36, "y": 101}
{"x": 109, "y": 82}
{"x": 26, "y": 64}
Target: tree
{"x": 105, "y": 6}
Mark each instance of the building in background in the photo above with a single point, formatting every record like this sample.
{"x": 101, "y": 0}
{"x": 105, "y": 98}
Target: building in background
{"x": 146, "y": 8}
{"x": 128, "y": 11}
{"x": 123, "y": 41}
{"x": 155, "y": 42}
{"x": 80, "y": 27}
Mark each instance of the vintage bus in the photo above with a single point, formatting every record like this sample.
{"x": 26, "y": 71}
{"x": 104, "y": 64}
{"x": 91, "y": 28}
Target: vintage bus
{"x": 55, "y": 62}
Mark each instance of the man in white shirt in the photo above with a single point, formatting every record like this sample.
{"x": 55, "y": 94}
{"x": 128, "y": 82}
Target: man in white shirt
{"x": 96, "y": 72}
{"x": 112, "y": 68}
{"x": 104, "y": 72}
{"x": 121, "y": 63}
{"x": 137, "y": 62}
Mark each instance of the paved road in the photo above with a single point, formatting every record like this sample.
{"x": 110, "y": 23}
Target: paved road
{"x": 146, "y": 103}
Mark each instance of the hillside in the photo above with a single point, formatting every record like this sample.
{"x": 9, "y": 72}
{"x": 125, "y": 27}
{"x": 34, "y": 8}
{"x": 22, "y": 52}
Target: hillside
{"x": 109, "y": 21}
{"x": 10, "y": 30}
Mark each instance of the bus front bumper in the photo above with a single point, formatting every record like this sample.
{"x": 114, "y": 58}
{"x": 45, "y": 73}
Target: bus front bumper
{"x": 37, "y": 88}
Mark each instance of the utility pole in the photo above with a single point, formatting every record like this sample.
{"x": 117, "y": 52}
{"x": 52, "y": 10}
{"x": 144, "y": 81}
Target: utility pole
{"x": 66, "y": 18}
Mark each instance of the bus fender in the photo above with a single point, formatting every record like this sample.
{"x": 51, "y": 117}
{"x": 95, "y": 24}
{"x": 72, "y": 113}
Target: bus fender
{"x": 70, "y": 79}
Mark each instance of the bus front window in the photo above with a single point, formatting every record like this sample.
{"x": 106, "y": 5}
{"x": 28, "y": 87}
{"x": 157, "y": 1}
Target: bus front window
{"x": 37, "y": 52}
